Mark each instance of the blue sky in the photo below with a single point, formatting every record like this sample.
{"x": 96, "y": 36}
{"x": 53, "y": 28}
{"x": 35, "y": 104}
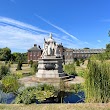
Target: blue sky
{"x": 74, "y": 23}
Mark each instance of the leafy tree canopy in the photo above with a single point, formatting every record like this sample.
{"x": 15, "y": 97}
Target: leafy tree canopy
{"x": 86, "y": 48}
{"x": 5, "y": 54}
{"x": 108, "y": 47}
{"x": 16, "y": 56}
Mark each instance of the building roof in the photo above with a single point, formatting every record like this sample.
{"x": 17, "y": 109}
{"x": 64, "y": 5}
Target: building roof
{"x": 68, "y": 49}
{"x": 88, "y": 50}
{"x": 35, "y": 48}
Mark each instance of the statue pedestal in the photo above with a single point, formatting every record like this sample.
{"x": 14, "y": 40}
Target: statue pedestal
{"x": 50, "y": 67}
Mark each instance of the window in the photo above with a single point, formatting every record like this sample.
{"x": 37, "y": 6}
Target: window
{"x": 66, "y": 53}
{"x": 30, "y": 53}
{"x": 71, "y": 53}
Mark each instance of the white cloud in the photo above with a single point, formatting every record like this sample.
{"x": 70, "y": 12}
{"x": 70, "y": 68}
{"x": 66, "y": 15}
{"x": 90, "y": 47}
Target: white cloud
{"x": 17, "y": 38}
{"x": 17, "y": 35}
{"x": 21, "y": 36}
{"x": 86, "y": 42}
{"x": 99, "y": 41}
{"x": 69, "y": 40}
{"x": 59, "y": 28}
{"x": 21, "y": 25}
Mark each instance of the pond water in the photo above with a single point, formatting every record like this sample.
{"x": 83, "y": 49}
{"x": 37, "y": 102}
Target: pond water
{"x": 6, "y": 97}
{"x": 70, "y": 98}
{"x": 75, "y": 98}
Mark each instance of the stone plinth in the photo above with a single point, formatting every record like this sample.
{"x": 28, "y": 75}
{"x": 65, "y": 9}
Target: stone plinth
{"x": 50, "y": 67}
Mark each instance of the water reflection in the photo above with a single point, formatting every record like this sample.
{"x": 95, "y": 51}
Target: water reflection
{"x": 75, "y": 98}
{"x": 68, "y": 98}
{"x": 6, "y": 98}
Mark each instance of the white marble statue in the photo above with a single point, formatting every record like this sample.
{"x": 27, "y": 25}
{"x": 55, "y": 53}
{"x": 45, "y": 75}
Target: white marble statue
{"x": 45, "y": 51}
{"x": 57, "y": 52}
{"x": 50, "y": 48}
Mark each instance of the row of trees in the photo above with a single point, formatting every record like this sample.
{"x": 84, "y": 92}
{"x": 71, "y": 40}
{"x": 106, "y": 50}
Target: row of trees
{"x": 6, "y": 55}
{"x": 108, "y": 47}
{"x": 102, "y": 56}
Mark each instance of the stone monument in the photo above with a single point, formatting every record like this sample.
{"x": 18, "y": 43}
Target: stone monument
{"x": 50, "y": 63}
{"x": 50, "y": 69}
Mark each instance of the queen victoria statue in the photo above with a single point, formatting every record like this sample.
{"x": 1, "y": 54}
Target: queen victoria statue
{"x": 50, "y": 63}
{"x": 50, "y": 48}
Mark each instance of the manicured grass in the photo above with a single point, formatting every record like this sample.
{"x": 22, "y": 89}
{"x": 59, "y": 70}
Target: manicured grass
{"x": 25, "y": 68}
{"x": 56, "y": 107}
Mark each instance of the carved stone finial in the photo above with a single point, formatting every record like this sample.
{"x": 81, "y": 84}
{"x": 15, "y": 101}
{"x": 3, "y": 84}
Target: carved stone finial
{"x": 51, "y": 35}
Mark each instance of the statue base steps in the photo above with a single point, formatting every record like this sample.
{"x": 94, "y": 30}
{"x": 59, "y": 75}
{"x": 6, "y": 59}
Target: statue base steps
{"x": 34, "y": 81}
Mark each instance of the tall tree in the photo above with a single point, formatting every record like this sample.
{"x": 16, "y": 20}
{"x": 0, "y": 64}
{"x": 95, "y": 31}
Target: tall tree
{"x": 109, "y": 33}
{"x": 108, "y": 47}
{"x": 16, "y": 56}
{"x": 5, "y": 54}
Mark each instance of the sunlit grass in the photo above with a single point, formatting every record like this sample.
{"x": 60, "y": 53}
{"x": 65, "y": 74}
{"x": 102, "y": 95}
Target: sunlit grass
{"x": 25, "y": 68}
{"x": 56, "y": 107}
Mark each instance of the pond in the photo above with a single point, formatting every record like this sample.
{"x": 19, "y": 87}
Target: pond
{"x": 69, "y": 98}
{"x": 6, "y": 98}
{"x": 75, "y": 98}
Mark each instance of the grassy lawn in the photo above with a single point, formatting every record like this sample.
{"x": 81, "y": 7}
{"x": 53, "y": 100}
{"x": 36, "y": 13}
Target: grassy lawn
{"x": 56, "y": 107}
{"x": 25, "y": 68}
{"x": 80, "y": 70}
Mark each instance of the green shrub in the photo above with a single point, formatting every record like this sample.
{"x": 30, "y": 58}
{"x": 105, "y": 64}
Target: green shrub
{"x": 27, "y": 96}
{"x": 82, "y": 60}
{"x": 31, "y": 63}
{"x": 97, "y": 82}
{"x": 70, "y": 69}
{"x": 76, "y": 88}
{"x": 108, "y": 47}
{"x": 10, "y": 84}
{"x": 31, "y": 94}
{"x": 18, "y": 75}
{"x": 77, "y": 63}
{"x": 101, "y": 57}
{"x": 81, "y": 73}
{"x": 46, "y": 87}
{"x": 34, "y": 68}
{"x": 19, "y": 65}
{"x": 4, "y": 70}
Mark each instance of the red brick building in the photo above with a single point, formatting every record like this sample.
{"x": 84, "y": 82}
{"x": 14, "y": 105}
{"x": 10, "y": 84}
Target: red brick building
{"x": 85, "y": 53}
{"x": 34, "y": 53}
{"x": 67, "y": 54}
{"x": 61, "y": 49}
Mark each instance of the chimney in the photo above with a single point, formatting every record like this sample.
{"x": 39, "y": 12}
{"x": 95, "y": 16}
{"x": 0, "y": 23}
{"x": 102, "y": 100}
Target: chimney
{"x": 39, "y": 47}
{"x": 35, "y": 45}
